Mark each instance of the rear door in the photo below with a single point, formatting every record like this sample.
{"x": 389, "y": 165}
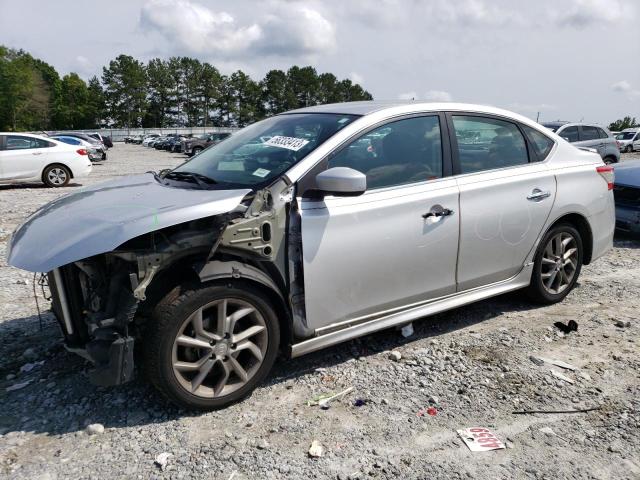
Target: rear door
{"x": 506, "y": 194}
{"x": 590, "y": 137}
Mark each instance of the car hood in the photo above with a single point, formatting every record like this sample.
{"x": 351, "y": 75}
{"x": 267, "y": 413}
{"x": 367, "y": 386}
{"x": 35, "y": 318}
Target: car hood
{"x": 627, "y": 173}
{"x": 99, "y": 218}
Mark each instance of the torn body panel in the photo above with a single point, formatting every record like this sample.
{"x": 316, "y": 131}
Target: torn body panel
{"x": 103, "y": 300}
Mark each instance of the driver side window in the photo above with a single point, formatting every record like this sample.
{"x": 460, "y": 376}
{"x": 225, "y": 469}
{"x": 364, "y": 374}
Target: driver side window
{"x": 397, "y": 153}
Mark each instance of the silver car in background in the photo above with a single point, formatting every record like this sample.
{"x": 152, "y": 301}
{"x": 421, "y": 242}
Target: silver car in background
{"x": 629, "y": 140}
{"x": 588, "y": 136}
{"x": 311, "y": 228}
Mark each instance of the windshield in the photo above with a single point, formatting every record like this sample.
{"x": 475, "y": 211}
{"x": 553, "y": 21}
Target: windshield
{"x": 265, "y": 150}
{"x": 625, "y": 136}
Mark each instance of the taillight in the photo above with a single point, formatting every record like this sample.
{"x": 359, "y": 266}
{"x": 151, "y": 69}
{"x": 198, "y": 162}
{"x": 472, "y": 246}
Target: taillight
{"x": 606, "y": 172}
{"x": 82, "y": 151}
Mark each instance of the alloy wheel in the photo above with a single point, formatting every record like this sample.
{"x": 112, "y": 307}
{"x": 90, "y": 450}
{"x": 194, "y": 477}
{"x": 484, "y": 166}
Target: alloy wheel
{"x": 559, "y": 262}
{"x": 219, "y": 348}
{"x": 57, "y": 176}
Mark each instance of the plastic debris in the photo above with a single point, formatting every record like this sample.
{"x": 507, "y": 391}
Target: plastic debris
{"x": 431, "y": 411}
{"x": 560, "y": 363}
{"x": 316, "y": 449}
{"x": 407, "y": 330}
{"x": 571, "y": 326}
{"x": 562, "y": 377}
{"x": 359, "y": 402}
{"x": 162, "y": 460}
{"x": 537, "y": 360}
{"x": 324, "y": 399}
{"x": 480, "y": 439}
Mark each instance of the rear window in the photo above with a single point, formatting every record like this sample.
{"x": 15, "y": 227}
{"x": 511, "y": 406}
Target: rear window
{"x": 570, "y": 134}
{"x": 541, "y": 143}
{"x": 589, "y": 133}
{"x": 602, "y": 133}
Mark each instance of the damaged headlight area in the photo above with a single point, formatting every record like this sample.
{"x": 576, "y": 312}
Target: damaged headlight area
{"x": 100, "y": 301}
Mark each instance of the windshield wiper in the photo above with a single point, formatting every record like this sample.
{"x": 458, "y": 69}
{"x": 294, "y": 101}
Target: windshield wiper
{"x": 201, "y": 180}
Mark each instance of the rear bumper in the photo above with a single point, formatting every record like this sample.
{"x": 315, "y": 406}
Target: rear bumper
{"x": 603, "y": 226}
{"x": 83, "y": 170}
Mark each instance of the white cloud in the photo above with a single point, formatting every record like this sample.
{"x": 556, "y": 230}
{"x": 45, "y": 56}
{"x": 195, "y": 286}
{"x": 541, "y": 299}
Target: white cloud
{"x": 625, "y": 87}
{"x": 293, "y": 29}
{"x": 408, "y": 96}
{"x": 286, "y": 29}
{"x": 438, "y": 96}
{"x": 195, "y": 28}
{"x": 355, "y": 77}
{"x": 584, "y": 13}
{"x": 470, "y": 13}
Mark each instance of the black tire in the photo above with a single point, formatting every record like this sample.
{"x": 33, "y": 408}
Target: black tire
{"x": 56, "y": 176}
{"x": 610, "y": 160}
{"x": 536, "y": 290}
{"x": 195, "y": 150}
{"x": 628, "y": 149}
{"x": 165, "y": 325}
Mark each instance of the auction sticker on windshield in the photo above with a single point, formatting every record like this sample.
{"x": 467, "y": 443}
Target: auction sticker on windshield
{"x": 290, "y": 143}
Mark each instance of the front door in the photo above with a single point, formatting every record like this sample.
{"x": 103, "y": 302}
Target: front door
{"x": 505, "y": 197}
{"x": 22, "y": 157}
{"x": 396, "y": 244}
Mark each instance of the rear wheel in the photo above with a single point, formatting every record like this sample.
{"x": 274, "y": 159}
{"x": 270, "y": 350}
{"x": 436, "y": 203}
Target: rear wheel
{"x": 196, "y": 150}
{"x": 56, "y": 176}
{"x": 211, "y": 346}
{"x": 610, "y": 160}
{"x": 557, "y": 265}
{"x": 628, "y": 149}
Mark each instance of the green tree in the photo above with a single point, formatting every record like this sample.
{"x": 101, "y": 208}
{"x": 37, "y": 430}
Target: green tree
{"x": 96, "y": 107}
{"x": 125, "y": 90}
{"x": 626, "y": 122}
{"x": 246, "y": 95}
{"x": 302, "y": 87}
{"x": 275, "y": 92}
{"x": 208, "y": 91}
{"x": 160, "y": 85}
{"x": 73, "y": 111}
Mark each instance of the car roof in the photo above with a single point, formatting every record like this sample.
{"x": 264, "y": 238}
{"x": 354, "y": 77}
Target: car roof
{"x": 632, "y": 129}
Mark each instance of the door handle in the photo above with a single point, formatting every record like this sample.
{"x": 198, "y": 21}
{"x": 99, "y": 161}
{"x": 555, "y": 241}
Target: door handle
{"x": 36, "y": 153}
{"x": 437, "y": 211}
{"x": 537, "y": 195}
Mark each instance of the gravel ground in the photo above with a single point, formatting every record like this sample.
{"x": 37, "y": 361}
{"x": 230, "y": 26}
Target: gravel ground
{"x": 472, "y": 364}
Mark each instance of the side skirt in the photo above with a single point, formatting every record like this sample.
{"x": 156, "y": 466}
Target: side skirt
{"x": 438, "y": 305}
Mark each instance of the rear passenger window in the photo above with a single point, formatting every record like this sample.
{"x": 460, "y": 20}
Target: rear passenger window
{"x": 589, "y": 133}
{"x": 397, "y": 153}
{"x": 541, "y": 143}
{"x": 602, "y": 133}
{"x": 570, "y": 134}
{"x": 18, "y": 142}
{"x": 487, "y": 144}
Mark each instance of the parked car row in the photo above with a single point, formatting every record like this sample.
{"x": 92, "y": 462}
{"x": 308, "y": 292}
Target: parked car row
{"x": 189, "y": 144}
{"x": 629, "y": 140}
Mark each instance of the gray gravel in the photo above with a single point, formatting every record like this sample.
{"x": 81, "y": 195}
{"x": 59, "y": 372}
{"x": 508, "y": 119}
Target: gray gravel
{"x": 473, "y": 364}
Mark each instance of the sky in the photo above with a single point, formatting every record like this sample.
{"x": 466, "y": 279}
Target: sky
{"x": 566, "y": 59}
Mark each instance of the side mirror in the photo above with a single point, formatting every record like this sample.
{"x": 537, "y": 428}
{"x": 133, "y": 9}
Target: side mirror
{"x": 162, "y": 173}
{"x": 341, "y": 182}
{"x": 567, "y": 139}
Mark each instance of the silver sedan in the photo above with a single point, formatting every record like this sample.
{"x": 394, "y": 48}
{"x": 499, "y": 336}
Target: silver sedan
{"x": 311, "y": 228}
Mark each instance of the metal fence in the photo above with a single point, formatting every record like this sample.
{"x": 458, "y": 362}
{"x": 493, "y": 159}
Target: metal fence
{"x": 118, "y": 134}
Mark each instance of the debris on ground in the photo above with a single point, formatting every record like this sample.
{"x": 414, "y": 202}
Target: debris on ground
{"x": 577, "y": 410}
{"x": 537, "y": 360}
{"x": 395, "y": 355}
{"x": 407, "y": 330}
{"x": 431, "y": 411}
{"x": 324, "y": 402}
{"x": 95, "y": 429}
{"x": 560, "y": 376}
{"x": 623, "y": 323}
{"x": 316, "y": 449}
{"x": 18, "y": 386}
{"x": 571, "y": 326}
{"x": 359, "y": 402}
{"x": 480, "y": 439}
{"x": 162, "y": 460}
{"x": 560, "y": 363}
{"x": 549, "y": 432}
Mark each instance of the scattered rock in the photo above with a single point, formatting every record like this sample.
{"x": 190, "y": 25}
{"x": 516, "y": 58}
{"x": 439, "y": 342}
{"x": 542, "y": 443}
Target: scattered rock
{"x": 29, "y": 354}
{"x": 537, "y": 360}
{"x": 162, "y": 460}
{"x": 560, "y": 376}
{"x": 395, "y": 355}
{"x": 262, "y": 444}
{"x": 18, "y": 386}
{"x": 407, "y": 330}
{"x": 95, "y": 429}
{"x": 21, "y": 282}
{"x": 623, "y": 323}
{"x": 316, "y": 449}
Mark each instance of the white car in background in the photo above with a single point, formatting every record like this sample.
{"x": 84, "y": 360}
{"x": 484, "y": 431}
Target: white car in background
{"x": 26, "y": 157}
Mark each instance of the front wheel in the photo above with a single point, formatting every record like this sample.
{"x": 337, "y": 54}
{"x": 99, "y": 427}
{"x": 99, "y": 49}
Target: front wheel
{"x": 557, "y": 265}
{"x": 211, "y": 346}
{"x": 629, "y": 149}
{"x": 196, "y": 150}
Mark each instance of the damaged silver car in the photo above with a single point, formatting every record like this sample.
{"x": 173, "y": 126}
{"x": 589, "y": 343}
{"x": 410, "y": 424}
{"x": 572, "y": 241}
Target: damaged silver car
{"x": 308, "y": 229}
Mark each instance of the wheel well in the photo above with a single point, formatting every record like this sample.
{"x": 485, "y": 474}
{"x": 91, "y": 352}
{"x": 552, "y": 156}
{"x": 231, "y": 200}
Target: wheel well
{"x": 59, "y": 165}
{"x": 611, "y": 157}
{"x": 581, "y": 224}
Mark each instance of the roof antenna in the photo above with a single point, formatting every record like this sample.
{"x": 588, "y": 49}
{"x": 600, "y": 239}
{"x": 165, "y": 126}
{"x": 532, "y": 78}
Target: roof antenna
{"x": 538, "y": 118}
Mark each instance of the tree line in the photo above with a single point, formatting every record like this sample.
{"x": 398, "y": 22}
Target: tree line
{"x": 180, "y": 91}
